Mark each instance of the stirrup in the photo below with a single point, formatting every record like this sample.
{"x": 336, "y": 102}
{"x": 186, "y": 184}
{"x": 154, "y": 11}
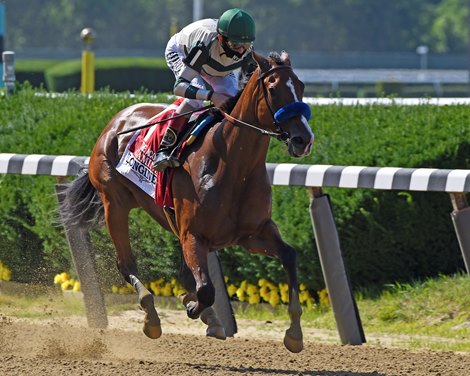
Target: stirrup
{"x": 164, "y": 160}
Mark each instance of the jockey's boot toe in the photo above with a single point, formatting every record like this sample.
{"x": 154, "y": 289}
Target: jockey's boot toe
{"x": 165, "y": 159}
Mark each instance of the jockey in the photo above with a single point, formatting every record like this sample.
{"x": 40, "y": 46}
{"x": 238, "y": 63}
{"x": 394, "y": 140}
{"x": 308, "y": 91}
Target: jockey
{"x": 203, "y": 56}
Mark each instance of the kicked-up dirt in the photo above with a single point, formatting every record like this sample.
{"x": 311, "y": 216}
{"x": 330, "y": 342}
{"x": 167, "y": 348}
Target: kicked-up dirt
{"x": 66, "y": 346}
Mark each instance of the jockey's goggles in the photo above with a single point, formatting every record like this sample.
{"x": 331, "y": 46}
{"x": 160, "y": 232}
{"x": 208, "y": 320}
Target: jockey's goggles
{"x": 237, "y": 45}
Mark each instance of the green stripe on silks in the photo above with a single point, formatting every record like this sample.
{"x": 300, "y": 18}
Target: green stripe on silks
{"x": 180, "y": 80}
{"x": 191, "y": 92}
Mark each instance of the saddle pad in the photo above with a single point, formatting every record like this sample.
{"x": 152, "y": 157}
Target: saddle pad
{"x": 136, "y": 163}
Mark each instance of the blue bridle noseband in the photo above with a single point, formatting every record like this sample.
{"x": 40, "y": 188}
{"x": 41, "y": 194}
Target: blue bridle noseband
{"x": 286, "y": 112}
{"x": 291, "y": 110}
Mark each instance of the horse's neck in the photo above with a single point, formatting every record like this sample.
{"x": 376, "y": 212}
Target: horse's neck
{"x": 248, "y": 145}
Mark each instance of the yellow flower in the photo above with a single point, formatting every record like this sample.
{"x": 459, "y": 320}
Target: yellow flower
{"x": 66, "y": 285}
{"x": 157, "y": 291}
{"x": 6, "y": 274}
{"x": 303, "y": 296}
{"x": 285, "y": 297}
{"x": 271, "y": 285}
{"x": 252, "y": 290}
{"x": 231, "y": 290}
{"x": 166, "y": 290}
{"x": 283, "y": 287}
{"x": 114, "y": 289}
{"x": 265, "y": 293}
{"x": 61, "y": 278}
{"x": 310, "y": 303}
{"x": 155, "y": 286}
{"x": 274, "y": 298}
{"x": 302, "y": 287}
{"x": 122, "y": 290}
{"x": 262, "y": 282}
{"x": 254, "y": 299}
{"x": 76, "y": 286}
{"x": 324, "y": 298}
{"x": 241, "y": 294}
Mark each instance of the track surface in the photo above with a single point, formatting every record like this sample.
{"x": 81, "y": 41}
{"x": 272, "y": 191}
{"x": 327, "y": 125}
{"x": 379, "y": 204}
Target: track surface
{"x": 62, "y": 346}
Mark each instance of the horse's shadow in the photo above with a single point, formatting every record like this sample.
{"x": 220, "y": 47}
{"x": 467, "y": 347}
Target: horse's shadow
{"x": 273, "y": 371}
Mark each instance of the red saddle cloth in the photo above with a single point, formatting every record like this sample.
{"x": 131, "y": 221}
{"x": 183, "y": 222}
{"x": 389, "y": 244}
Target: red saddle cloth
{"x": 144, "y": 149}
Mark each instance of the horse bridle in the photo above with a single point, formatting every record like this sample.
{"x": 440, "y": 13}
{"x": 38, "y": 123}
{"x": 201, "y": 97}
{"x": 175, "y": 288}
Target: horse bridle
{"x": 282, "y": 135}
{"x": 290, "y": 110}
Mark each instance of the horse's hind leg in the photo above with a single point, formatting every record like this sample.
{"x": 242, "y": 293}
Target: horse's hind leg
{"x": 269, "y": 243}
{"x": 117, "y": 217}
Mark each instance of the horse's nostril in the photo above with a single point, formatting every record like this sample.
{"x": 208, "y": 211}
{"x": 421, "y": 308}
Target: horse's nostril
{"x": 298, "y": 142}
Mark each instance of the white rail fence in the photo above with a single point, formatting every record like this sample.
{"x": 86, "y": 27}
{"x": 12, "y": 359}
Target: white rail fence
{"x": 314, "y": 177}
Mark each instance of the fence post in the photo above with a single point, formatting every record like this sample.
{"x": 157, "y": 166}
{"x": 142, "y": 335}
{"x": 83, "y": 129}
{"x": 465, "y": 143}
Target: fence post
{"x": 8, "y": 58}
{"x": 88, "y": 36}
{"x": 461, "y": 219}
{"x": 222, "y": 306}
{"x": 84, "y": 262}
{"x": 342, "y": 300}
{"x": 2, "y": 34}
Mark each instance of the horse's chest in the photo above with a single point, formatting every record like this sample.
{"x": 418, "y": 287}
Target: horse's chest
{"x": 230, "y": 212}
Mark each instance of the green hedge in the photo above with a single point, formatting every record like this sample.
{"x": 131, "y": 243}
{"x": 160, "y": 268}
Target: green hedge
{"x": 118, "y": 74}
{"x": 33, "y": 71}
{"x": 385, "y": 236}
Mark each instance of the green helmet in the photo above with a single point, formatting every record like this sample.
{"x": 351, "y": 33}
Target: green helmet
{"x": 236, "y": 25}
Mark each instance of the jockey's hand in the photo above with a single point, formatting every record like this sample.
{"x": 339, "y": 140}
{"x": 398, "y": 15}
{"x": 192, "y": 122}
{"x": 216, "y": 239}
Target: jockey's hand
{"x": 219, "y": 99}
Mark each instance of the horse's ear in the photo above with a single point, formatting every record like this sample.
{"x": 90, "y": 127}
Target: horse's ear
{"x": 285, "y": 58}
{"x": 263, "y": 63}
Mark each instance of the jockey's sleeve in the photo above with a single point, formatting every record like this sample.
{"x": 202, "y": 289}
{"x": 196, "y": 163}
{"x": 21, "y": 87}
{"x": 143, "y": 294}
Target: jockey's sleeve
{"x": 183, "y": 87}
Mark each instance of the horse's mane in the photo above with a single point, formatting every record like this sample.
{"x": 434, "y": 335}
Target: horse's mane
{"x": 276, "y": 58}
{"x": 246, "y": 72}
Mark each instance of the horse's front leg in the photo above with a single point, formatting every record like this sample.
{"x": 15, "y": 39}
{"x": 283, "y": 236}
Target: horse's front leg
{"x": 208, "y": 316}
{"x": 195, "y": 256}
{"x": 116, "y": 217}
{"x": 269, "y": 242}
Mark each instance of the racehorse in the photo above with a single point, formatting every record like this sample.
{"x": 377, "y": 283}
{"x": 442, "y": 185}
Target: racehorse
{"x": 221, "y": 193}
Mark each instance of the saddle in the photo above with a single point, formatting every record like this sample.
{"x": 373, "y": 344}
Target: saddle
{"x": 136, "y": 163}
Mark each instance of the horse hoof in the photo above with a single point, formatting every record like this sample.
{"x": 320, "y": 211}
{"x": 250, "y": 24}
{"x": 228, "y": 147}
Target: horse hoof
{"x": 216, "y": 331}
{"x": 153, "y": 332}
{"x": 192, "y": 310}
{"x": 293, "y": 345}
{"x": 152, "y": 327}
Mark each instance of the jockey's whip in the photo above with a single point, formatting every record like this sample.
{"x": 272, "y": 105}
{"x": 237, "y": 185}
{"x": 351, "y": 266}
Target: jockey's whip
{"x": 164, "y": 120}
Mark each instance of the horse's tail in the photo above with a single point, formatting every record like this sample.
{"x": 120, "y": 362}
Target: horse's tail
{"x": 80, "y": 204}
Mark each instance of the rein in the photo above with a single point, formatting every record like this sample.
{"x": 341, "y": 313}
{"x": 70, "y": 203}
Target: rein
{"x": 261, "y": 130}
{"x": 279, "y": 116}
{"x": 164, "y": 120}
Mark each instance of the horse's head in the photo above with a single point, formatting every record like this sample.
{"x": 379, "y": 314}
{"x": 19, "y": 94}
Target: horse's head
{"x": 282, "y": 105}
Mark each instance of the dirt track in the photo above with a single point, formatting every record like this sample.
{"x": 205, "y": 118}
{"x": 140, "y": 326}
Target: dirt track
{"x": 68, "y": 347}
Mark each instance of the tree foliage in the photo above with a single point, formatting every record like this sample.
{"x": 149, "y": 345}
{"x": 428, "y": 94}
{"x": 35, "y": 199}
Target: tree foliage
{"x": 298, "y": 25}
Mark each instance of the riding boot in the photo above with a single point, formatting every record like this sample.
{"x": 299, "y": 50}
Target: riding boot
{"x": 164, "y": 157}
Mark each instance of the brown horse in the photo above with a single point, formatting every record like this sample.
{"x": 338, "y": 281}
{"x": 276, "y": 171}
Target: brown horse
{"x": 222, "y": 194}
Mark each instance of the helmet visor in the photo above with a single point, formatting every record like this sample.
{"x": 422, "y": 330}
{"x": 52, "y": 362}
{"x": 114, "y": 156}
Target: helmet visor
{"x": 237, "y": 45}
